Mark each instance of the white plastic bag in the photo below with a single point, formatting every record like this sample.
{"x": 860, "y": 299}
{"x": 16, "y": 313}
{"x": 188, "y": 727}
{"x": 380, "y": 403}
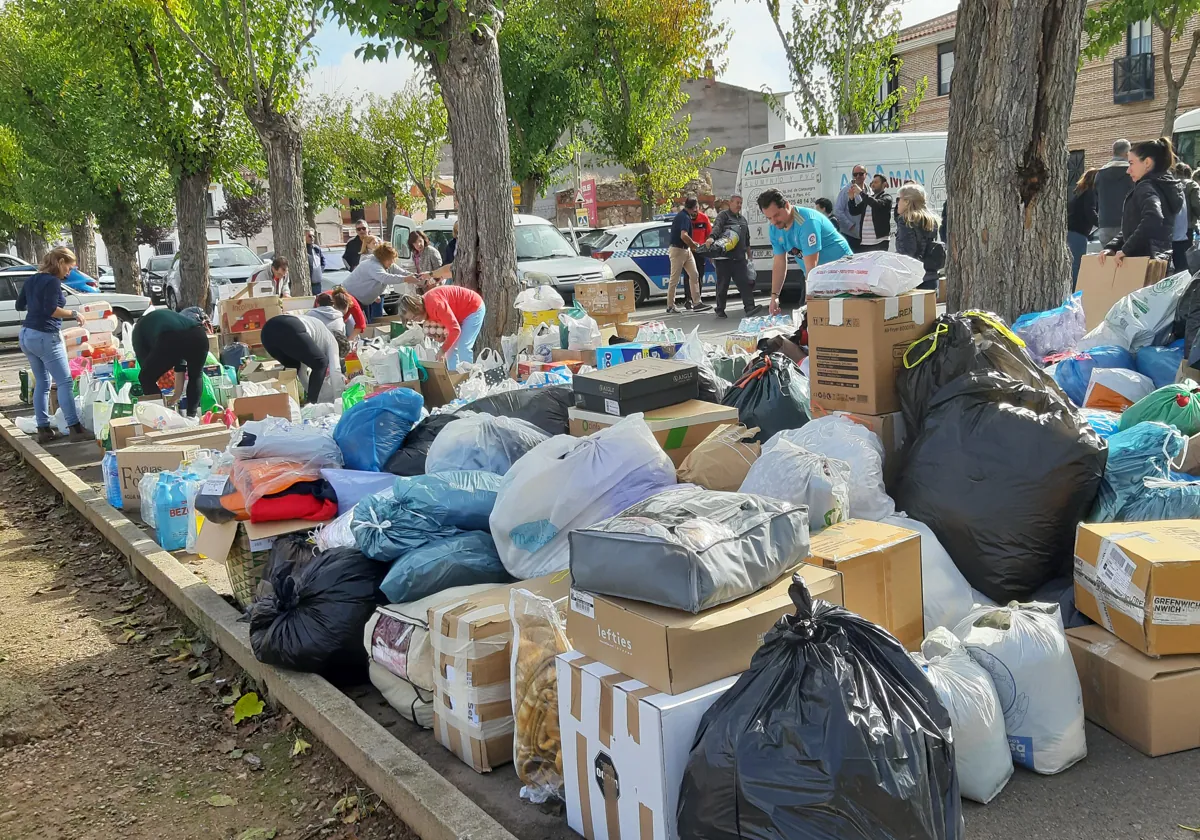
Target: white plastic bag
{"x": 102, "y": 403}
{"x": 545, "y": 341}
{"x": 981, "y": 753}
{"x": 946, "y": 596}
{"x": 336, "y": 533}
{"x": 1024, "y": 650}
{"x": 482, "y": 442}
{"x": 693, "y": 350}
{"x": 27, "y": 425}
{"x": 382, "y": 363}
{"x": 582, "y": 333}
{"x": 870, "y": 273}
{"x": 1143, "y": 316}
{"x": 1104, "y": 335}
{"x": 791, "y": 473}
{"x": 1115, "y": 389}
{"x": 88, "y": 388}
{"x": 159, "y": 417}
{"x": 837, "y": 436}
{"x": 539, "y": 299}
{"x": 567, "y": 483}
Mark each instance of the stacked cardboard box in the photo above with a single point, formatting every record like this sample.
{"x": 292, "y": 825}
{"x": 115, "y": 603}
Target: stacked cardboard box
{"x": 677, "y": 428}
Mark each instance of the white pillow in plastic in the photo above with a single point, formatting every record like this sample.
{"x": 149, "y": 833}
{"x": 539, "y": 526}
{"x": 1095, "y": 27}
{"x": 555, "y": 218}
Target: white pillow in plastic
{"x": 1024, "y": 650}
{"x": 791, "y": 473}
{"x": 869, "y": 273}
{"x": 946, "y": 595}
{"x": 980, "y": 745}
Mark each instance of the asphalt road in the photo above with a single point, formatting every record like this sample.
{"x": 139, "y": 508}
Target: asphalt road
{"x": 1116, "y": 793}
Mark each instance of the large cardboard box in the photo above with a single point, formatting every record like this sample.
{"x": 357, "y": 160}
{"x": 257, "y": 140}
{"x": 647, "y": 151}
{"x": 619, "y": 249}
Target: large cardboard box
{"x": 262, "y": 406}
{"x": 135, "y": 461}
{"x": 639, "y": 385}
{"x": 606, "y": 297}
{"x": 625, "y": 747}
{"x": 441, "y": 385}
{"x": 171, "y": 435}
{"x": 676, "y": 651}
{"x": 243, "y": 313}
{"x": 1104, "y": 285}
{"x": 1141, "y": 582}
{"x": 1148, "y": 703}
{"x": 881, "y": 574}
{"x": 472, "y": 646}
{"x": 678, "y": 428}
{"x": 857, "y": 346}
{"x": 889, "y": 428}
{"x": 122, "y": 431}
{"x": 213, "y": 436}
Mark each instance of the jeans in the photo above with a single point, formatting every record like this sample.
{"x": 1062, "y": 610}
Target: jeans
{"x": 374, "y": 310}
{"x": 48, "y": 360}
{"x": 464, "y": 349}
{"x": 1078, "y": 243}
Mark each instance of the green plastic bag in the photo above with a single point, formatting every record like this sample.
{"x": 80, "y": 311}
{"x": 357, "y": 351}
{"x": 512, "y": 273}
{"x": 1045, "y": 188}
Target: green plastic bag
{"x": 1175, "y": 405}
{"x": 353, "y": 395}
{"x": 123, "y": 374}
{"x": 576, "y": 311}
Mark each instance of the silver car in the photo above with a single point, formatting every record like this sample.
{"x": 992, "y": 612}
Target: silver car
{"x": 127, "y": 308}
{"x": 226, "y": 264}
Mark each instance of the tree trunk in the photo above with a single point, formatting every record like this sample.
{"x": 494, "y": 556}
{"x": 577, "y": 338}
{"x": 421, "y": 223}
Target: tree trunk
{"x": 40, "y": 247}
{"x": 1172, "y": 103}
{"x": 431, "y": 200}
{"x": 191, "y": 192}
{"x": 83, "y": 240}
{"x": 486, "y": 259}
{"x": 119, "y": 230}
{"x": 1006, "y": 154}
{"x": 280, "y": 138}
{"x": 390, "y": 211}
{"x": 25, "y": 244}
{"x": 530, "y": 188}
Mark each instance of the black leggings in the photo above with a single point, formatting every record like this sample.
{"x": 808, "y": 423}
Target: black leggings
{"x": 178, "y": 350}
{"x": 287, "y": 342}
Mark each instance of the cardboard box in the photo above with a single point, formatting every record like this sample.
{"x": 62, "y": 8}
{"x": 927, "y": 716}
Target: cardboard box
{"x": 586, "y": 357}
{"x": 1104, "y": 285}
{"x": 676, "y": 651}
{"x": 888, "y": 427}
{"x": 299, "y": 305}
{"x": 122, "y": 431}
{"x": 857, "y": 346}
{"x": 880, "y": 566}
{"x": 1148, "y": 703}
{"x": 606, "y": 297}
{"x": 172, "y": 435}
{"x": 214, "y": 436}
{"x": 251, "y": 338}
{"x": 615, "y": 354}
{"x": 135, "y": 461}
{"x": 214, "y": 345}
{"x": 243, "y": 313}
{"x": 1141, "y": 582}
{"x": 244, "y": 548}
{"x": 639, "y": 385}
{"x": 472, "y": 648}
{"x": 625, "y": 747}
{"x": 259, "y": 370}
{"x": 441, "y": 386}
{"x": 678, "y": 428}
{"x": 263, "y": 406}
{"x": 628, "y": 331}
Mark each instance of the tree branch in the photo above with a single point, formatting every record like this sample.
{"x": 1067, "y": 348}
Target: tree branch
{"x": 1187, "y": 63}
{"x": 258, "y": 94}
{"x": 220, "y": 78}
{"x": 798, "y": 83}
{"x": 277, "y": 65}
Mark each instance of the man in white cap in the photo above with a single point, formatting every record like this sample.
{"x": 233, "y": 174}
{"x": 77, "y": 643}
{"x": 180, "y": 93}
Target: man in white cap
{"x": 733, "y": 264}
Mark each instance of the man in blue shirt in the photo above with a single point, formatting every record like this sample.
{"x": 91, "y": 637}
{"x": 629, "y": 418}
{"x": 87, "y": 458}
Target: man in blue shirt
{"x": 798, "y": 231}
{"x": 682, "y": 259}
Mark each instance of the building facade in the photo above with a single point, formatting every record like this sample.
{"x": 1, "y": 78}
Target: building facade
{"x": 1120, "y": 95}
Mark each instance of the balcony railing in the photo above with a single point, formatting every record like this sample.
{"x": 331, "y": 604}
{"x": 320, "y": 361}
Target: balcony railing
{"x": 1133, "y": 78}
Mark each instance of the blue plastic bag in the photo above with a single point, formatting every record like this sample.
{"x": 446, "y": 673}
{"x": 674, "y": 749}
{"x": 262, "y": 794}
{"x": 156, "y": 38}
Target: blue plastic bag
{"x": 171, "y": 511}
{"x": 1056, "y": 330}
{"x": 1139, "y": 483}
{"x": 352, "y": 485}
{"x": 465, "y": 559}
{"x": 1161, "y": 364}
{"x": 1103, "y": 422}
{"x": 112, "y": 480}
{"x": 482, "y": 442}
{"x": 1074, "y": 374}
{"x": 371, "y": 432}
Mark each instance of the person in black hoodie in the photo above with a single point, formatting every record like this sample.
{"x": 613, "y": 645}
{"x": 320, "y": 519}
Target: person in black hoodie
{"x": 1082, "y": 219}
{"x": 1147, "y": 219}
{"x": 877, "y": 221}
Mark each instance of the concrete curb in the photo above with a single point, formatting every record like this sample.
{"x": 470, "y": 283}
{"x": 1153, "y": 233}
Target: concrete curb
{"x": 430, "y": 805}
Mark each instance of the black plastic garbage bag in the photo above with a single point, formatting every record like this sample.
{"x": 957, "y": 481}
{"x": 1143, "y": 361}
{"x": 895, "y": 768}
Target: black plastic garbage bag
{"x": 834, "y": 733}
{"x": 545, "y": 408}
{"x": 289, "y": 553}
{"x": 771, "y": 394}
{"x": 959, "y": 344}
{"x": 1003, "y": 473}
{"x": 1187, "y": 318}
{"x": 311, "y": 618}
{"x": 409, "y": 459}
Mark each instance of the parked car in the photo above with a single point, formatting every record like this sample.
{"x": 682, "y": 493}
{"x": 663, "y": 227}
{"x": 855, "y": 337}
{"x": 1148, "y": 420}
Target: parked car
{"x": 128, "y": 308}
{"x": 440, "y": 231}
{"x": 583, "y": 238}
{"x": 154, "y": 276}
{"x": 638, "y": 252}
{"x": 12, "y": 261}
{"x": 107, "y": 280}
{"x": 227, "y": 264}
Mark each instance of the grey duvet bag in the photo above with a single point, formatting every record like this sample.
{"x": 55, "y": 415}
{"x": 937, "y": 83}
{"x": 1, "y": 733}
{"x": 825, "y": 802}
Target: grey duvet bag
{"x": 690, "y": 549}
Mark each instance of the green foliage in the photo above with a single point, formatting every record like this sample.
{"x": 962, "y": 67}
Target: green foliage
{"x": 1105, "y": 24}
{"x": 422, "y": 28}
{"x": 418, "y": 124}
{"x": 841, "y": 54}
{"x": 244, "y": 216}
{"x": 325, "y": 132}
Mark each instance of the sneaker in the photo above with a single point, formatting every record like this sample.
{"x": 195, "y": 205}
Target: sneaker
{"x": 688, "y": 306}
{"x": 672, "y": 310}
{"x": 721, "y": 314}
{"x": 45, "y": 435}
{"x": 80, "y": 434}
{"x": 752, "y": 311}
{"x": 701, "y": 307}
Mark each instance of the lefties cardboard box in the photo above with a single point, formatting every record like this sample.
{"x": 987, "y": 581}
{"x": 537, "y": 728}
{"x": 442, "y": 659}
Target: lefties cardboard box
{"x": 472, "y": 650}
{"x": 881, "y": 574}
{"x": 857, "y": 346}
{"x": 606, "y": 297}
{"x": 243, "y": 313}
{"x": 1104, "y": 285}
{"x": 639, "y": 385}
{"x": 1141, "y": 582}
{"x": 675, "y": 651}
{"x": 1148, "y": 703}
{"x": 135, "y": 461}
{"x": 678, "y": 428}
{"x": 625, "y": 747}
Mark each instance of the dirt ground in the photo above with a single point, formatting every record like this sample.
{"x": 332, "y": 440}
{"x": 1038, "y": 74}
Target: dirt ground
{"x": 117, "y": 718}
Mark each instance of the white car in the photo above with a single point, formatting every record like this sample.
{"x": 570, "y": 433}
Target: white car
{"x": 638, "y": 252}
{"x": 226, "y": 264}
{"x": 128, "y": 308}
{"x": 9, "y": 261}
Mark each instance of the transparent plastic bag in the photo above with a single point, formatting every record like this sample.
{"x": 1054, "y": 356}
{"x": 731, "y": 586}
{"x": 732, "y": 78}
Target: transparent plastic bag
{"x": 870, "y": 273}
{"x": 539, "y": 635}
{"x": 793, "y": 474}
{"x": 582, "y": 333}
{"x": 482, "y": 442}
{"x": 146, "y": 487}
{"x": 946, "y": 597}
{"x": 539, "y": 300}
{"x": 1054, "y": 331}
{"x": 159, "y": 417}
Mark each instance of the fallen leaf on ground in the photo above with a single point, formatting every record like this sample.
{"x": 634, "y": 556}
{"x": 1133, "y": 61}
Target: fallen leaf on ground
{"x": 221, "y": 800}
{"x": 300, "y": 747}
{"x": 237, "y": 753}
{"x": 247, "y": 706}
{"x": 202, "y": 678}
{"x": 226, "y": 745}
{"x": 257, "y": 834}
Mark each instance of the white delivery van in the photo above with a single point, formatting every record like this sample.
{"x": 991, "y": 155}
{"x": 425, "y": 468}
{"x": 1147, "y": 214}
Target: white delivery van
{"x": 809, "y": 168}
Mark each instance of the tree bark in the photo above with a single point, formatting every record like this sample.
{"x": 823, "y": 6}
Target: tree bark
{"x": 1006, "y": 154}
{"x": 431, "y": 202}
{"x": 280, "y": 138}
{"x": 1174, "y": 85}
{"x": 119, "y": 230}
{"x": 486, "y": 259}
{"x": 389, "y": 211}
{"x": 40, "y": 247}
{"x": 530, "y": 188}
{"x": 25, "y": 244}
{"x": 83, "y": 241}
{"x": 191, "y": 192}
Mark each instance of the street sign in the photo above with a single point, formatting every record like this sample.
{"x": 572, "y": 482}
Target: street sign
{"x": 581, "y": 217}
{"x": 516, "y": 194}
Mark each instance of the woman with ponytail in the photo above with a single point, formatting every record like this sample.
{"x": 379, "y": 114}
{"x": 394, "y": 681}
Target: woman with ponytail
{"x": 1148, "y": 217}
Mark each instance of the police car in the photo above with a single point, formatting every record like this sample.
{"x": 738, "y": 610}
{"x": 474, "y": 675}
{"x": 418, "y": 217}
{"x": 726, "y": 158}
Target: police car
{"x": 638, "y": 252}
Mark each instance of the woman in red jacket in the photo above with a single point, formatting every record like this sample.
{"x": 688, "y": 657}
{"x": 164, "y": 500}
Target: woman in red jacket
{"x": 456, "y": 308}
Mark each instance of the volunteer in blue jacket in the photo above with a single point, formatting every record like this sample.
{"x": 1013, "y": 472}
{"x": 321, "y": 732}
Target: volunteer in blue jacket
{"x": 798, "y": 231}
